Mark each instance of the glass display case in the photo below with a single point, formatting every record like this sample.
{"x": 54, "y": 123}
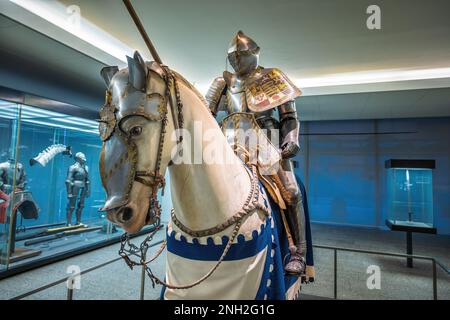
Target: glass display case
{"x": 410, "y": 193}
{"x": 50, "y": 160}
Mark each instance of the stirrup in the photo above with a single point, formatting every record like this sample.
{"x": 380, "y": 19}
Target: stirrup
{"x": 302, "y": 261}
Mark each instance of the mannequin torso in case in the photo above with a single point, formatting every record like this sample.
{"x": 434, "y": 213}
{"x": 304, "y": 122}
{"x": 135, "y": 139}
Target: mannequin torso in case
{"x": 7, "y": 176}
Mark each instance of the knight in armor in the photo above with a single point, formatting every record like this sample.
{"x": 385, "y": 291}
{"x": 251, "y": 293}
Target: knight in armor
{"x": 7, "y": 176}
{"x": 78, "y": 187}
{"x": 257, "y": 90}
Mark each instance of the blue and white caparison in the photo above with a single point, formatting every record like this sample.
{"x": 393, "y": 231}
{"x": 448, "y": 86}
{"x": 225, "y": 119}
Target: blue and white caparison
{"x": 252, "y": 268}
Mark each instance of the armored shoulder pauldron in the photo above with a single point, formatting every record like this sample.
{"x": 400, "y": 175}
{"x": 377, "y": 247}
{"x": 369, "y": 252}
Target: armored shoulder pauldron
{"x": 214, "y": 94}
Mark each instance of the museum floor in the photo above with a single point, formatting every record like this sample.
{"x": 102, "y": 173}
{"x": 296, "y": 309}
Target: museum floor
{"x": 116, "y": 281}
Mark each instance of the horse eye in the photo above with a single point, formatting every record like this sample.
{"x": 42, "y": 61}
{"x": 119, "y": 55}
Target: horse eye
{"x": 135, "y": 131}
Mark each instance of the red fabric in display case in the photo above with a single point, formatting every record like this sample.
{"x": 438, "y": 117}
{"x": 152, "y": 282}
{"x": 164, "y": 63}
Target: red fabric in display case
{"x": 4, "y": 202}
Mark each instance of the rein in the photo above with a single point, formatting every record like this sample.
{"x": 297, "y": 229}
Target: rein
{"x": 251, "y": 204}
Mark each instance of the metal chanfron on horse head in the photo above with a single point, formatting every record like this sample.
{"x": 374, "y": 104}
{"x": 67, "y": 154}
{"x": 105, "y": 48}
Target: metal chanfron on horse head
{"x": 131, "y": 93}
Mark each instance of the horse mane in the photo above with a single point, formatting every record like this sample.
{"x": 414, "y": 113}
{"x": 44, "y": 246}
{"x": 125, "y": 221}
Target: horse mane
{"x": 191, "y": 87}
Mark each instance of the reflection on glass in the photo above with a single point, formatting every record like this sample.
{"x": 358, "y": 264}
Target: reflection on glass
{"x": 410, "y": 196}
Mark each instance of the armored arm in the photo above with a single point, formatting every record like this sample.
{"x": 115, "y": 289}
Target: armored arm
{"x": 88, "y": 183}
{"x": 290, "y": 129}
{"x": 2, "y": 175}
{"x": 21, "y": 179}
{"x": 215, "y": 94}
{"x": 69, "y": 181}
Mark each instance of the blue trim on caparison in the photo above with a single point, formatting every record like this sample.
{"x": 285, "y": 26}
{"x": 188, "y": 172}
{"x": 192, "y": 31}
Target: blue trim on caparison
{"x": 263, "y": 290}
{"x": 309, "y": 247}
{"x": 280, "y": 282}
{"x": 212, "y": 252}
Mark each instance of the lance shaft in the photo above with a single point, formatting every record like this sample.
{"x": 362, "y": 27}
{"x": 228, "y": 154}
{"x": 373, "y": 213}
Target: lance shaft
{"x": 141, "y": 29}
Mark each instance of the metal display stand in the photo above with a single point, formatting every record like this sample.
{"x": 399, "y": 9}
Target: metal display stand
{"x": 409, "y": 229}
{"x": 16, "y": 253}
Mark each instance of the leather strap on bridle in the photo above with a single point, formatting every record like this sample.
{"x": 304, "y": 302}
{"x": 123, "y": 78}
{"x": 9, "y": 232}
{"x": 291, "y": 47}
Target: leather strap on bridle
{"x": 157, "y": 180}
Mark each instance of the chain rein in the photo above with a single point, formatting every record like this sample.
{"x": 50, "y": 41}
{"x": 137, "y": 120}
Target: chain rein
{"x": 251, "y": 204}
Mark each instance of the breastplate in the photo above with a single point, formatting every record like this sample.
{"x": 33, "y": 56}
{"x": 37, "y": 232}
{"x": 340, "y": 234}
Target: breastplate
{"x": 80, "y": 174}
{"x": 237, "y": 102}
{"x": 8, "y": 177}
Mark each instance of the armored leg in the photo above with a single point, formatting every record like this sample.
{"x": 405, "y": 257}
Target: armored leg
{"x": 71, "y": 200}
{"x": 295, "y": 218}
{"x": 80, "y": 205}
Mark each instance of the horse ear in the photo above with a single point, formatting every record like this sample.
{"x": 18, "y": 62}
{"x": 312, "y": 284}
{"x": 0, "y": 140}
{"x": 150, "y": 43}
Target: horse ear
{"x": 137, "y": 71}
{"x": 108, "y": 73}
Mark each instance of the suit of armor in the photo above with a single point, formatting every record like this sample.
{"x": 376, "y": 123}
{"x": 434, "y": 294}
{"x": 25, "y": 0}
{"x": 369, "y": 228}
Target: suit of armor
{"x": 78, "y": 187}
{"x": 258, "y": 90}
{"x": 7, "y": 176}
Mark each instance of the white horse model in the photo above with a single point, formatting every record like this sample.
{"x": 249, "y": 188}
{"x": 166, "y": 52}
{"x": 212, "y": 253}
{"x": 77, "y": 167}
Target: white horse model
{"x": 224, "y": 231}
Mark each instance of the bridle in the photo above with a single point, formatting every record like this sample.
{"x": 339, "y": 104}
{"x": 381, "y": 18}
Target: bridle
{"x": 156, "y": 178}
{"x": 110, "y": 124}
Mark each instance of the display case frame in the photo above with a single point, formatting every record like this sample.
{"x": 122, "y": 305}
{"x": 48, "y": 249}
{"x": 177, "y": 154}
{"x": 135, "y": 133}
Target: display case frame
{"x": 425, "y": 224}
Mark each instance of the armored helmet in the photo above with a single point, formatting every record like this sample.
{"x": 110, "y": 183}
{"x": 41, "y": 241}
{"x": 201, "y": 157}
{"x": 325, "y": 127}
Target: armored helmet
{"x": 243, "y": 53}
{"x": 80, "y": 157}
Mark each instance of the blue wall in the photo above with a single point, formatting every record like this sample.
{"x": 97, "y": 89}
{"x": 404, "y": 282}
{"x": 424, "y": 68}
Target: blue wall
{"x": 345, "y": 175}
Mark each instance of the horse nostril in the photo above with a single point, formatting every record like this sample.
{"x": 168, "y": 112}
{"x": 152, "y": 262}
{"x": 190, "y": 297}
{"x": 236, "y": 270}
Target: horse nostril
{"x": 127, "y": 213}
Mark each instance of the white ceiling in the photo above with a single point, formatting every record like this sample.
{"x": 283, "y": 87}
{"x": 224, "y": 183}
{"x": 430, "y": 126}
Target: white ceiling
{"x": 33, "y": 63}
{"x": 306, "y": 39}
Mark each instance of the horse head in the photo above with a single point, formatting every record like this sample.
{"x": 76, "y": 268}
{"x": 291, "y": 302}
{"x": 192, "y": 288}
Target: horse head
{"x": 134, "y": 153}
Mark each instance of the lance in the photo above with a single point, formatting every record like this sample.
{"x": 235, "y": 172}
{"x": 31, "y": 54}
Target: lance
{"x": 141, "y": 29}
{"x": 61, "y": 235}
{"x": 41, "y": 226}
{"x": 150, "y": 47}
{"x": 49, "y": 232}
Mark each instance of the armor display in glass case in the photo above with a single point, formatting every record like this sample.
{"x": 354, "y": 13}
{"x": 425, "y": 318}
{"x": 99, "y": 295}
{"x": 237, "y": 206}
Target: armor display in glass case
{"x": 410, "y": 193}
{"x": 48, "y": 171}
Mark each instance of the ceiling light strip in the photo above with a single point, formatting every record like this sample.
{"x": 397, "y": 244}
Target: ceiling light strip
{"x": 57, "y": 14}
{"x": 368, "y": 77}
